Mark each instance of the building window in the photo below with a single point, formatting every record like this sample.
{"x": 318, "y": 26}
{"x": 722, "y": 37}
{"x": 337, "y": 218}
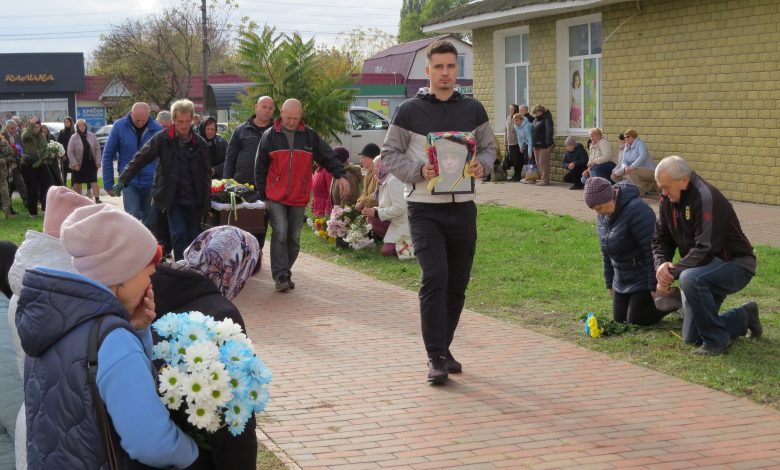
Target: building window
{"x": 461, "y": 65}
{"x": 512, "y": 57}
{"x": 579, "y": 73}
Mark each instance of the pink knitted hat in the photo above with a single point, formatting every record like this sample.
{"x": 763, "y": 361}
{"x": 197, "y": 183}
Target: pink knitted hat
{"x": 107, "y": 245}
{"x": 60, "y": 202}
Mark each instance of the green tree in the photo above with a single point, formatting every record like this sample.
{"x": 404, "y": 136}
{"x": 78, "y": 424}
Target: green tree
{"x": 284, "y": 66}
{"x": 415, "y": 13}
{"x": 155, "y": 57}
{"x": 358, "y": 44}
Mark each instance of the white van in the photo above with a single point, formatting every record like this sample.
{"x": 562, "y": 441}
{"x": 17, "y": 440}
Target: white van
{"x": 364, "y": 125}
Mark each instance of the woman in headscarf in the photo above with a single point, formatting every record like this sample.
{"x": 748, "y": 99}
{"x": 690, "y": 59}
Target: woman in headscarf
{"x": 389, "y": 219}
{"x": 84, "y": 157}
{"x": 214, "y": 270}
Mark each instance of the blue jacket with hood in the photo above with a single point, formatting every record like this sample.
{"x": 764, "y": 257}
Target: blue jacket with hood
{"x": 625, "y": 238}
{"x": 55, "y": 313}
{"x": 122, "y": 145}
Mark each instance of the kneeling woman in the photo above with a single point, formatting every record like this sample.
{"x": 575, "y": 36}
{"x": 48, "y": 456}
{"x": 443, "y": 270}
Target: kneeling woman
{"x": 625, "y": 226}
{"x": 215, "y": 268}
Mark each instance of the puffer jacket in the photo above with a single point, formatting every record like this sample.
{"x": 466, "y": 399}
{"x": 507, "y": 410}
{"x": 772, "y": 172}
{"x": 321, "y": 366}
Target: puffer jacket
{"x": 242, "y": 150}
{"x": 56, "y": 313}
{"x": 542, "y": 130}
{"x": 164, "y": 148}
{"x": 284, "y": 174}
{"x": 33, "y": 145}
{"x": 37, "y": 249}
{"x": 625, "y": 238}
{"x": 11, "y": 393}
{"x": 122, "y": 145}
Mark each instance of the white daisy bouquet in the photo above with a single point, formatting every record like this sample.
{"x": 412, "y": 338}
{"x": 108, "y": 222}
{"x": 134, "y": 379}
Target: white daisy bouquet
{"x": 211, "y": 371}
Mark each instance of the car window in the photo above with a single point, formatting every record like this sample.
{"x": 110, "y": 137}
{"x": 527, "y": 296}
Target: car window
{"x": 366, "y": 120}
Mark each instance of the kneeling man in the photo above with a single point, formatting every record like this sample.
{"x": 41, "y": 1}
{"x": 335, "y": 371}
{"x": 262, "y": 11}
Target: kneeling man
{"x": 716, "y": 258}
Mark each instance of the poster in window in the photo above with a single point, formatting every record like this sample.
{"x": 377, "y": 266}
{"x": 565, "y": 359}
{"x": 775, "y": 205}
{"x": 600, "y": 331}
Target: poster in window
{"x": 591, "y": 71}
{"x": 575, "y": 95}
{"x": 451, "y": 154}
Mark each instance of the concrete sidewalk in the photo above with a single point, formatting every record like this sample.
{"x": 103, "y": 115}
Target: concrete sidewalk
{"x": 760, "y": 222}
{"x": 349, "y": 391}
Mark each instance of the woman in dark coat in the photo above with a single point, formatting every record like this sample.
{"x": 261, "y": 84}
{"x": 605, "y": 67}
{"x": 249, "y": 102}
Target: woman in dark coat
{"x": 542, "y": 133}
{"x": 217, "y": 147}
{"x": 215, "y": 268}
{"x": 625, "y": 226}
{"x": 64, "y": 138}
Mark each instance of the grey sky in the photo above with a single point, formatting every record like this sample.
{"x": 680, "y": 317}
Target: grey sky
{"x": 60, "y": 26}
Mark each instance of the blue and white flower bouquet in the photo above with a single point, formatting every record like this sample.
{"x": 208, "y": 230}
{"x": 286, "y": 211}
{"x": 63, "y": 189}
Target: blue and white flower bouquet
{"x": 211, "y": 370}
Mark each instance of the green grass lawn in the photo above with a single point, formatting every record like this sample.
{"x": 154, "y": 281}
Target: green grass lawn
{"x": 15, "y": 228}
{"x": 542, "y": 272}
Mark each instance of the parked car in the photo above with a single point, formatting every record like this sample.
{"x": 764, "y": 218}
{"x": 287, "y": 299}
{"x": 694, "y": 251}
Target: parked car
{"x": 364, "y": 125}
{"x": 222, "y": 127}
{"x": 54, "y": 128}
{"x": 102, "y": 134}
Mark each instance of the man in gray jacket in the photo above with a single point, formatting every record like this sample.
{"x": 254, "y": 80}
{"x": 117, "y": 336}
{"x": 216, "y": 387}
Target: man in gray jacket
{"x": 443, "y": 225}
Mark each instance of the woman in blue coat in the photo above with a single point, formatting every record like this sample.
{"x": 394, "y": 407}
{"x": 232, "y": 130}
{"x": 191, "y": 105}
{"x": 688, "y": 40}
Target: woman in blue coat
{"x": 625, "y": 226}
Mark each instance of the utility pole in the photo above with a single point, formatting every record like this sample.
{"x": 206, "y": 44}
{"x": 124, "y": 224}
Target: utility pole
{"x": 205, "y": 57}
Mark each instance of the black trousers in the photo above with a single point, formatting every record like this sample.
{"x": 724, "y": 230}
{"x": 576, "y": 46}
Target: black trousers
{"x": 515, "y": 161}
{"x": 574, "y": 176}
{"x": 637, "y": 308}
{"x": 444, "y": 238}
{"x": 35, "y": 179}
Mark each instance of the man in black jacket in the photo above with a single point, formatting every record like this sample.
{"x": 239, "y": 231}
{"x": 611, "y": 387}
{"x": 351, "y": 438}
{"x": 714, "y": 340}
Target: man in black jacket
{"x": 443, "y": 225}
{"x": 716, "y": 258}
{"x": 242, "y": 148}
{"x": 182, "y": 178}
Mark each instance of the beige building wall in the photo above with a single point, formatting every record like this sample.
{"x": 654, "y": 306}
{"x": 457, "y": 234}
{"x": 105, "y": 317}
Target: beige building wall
{"x": 696, "y": 78}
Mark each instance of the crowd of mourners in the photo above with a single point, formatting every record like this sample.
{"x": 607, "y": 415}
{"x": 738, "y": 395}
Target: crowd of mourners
{"x": 79, "y": 386}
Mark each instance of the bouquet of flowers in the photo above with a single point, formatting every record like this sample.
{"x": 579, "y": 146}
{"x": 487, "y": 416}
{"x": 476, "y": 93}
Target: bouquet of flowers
{"x": 211, "y": 370}
{"x": 230, "y": 191}
{"x": 320, "y": 226}
{"x": 597, "y": 325}
{"x": 52, "y": 152}
{"x": 349, "y": 228}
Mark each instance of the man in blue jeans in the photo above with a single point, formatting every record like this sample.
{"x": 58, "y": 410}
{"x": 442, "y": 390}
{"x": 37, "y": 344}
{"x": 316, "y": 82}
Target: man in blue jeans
{"x": 283, "y": 179}
{"x": 128, "y": 135}
{"x": 443, "y": 224}
{"x": 716, "y": 258}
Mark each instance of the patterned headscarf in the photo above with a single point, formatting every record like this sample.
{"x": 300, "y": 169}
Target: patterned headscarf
{"x": 380, "y": 170}
{"x": 227, "y": 255}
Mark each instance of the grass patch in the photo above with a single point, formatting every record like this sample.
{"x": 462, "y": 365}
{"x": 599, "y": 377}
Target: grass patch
{"x": 542, "y": 271}
{"x": 15, "y": 228}
{"x": 267, "y": 460}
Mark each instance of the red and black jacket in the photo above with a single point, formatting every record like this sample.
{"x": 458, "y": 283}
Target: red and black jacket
{"x": 284, "y": 174}
{"x": 703, "y": 226}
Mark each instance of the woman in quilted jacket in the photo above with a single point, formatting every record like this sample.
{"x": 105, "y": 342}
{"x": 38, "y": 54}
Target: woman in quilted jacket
{"x": 625, "y": 226}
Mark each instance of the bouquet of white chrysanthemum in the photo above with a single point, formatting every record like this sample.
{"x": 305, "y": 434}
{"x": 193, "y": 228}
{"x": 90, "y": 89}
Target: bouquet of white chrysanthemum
{"x": 52, "y": 152}
{"x": 358, "y": 235}
{"x": 211, "y": 369}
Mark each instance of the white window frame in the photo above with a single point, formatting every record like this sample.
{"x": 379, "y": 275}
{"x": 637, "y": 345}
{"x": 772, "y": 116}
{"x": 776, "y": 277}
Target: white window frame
{"x": 499, "y": 75}
{"x": 461, "y": 70}
{"x": 563, "y": 81}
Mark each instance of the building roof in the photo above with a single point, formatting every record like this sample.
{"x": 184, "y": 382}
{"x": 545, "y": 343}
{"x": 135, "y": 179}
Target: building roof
{"x": 223, "y": 95}
{"x": 407, "y": 47}
{"x": 94, "y": 86}
{"x": 485, "y": 13}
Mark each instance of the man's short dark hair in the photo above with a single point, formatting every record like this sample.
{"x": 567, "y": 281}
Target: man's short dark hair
{"x": 440, "y": 47}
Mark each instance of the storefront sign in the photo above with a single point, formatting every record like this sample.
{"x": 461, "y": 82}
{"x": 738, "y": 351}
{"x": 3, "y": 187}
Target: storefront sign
{"x": 94, "y": 115}
{"x": 29, "y": 78}
{"x": 464, "y": 89}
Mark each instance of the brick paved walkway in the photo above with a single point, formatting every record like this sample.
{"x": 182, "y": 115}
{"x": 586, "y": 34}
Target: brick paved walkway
{"x": 349, "y": 392}
{"x": 760, "y": 222}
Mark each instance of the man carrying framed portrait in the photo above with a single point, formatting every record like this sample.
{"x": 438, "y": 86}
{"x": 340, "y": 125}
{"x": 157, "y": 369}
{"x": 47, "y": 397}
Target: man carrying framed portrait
{"x": 438, "y": 143}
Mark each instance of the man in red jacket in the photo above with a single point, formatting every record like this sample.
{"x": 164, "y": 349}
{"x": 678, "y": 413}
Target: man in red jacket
{"x": 716, "y": 258}
{"x": 283, "y": 178}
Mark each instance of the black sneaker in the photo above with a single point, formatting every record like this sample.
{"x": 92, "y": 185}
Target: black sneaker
{"x": 282, "y": 285}
{"x": 753, "y": 322}
{"x": 437, "y": 373}
{"x": 705, "y": 350}
{"x": 452, "y": 365}
{"x": 291, "y": 283}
